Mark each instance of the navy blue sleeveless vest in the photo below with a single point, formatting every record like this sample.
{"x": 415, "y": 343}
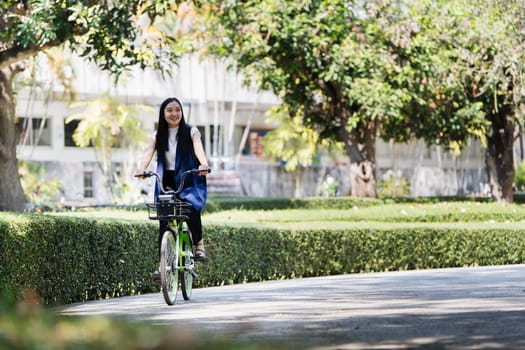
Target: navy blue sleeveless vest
{"x": 195, "y": 189}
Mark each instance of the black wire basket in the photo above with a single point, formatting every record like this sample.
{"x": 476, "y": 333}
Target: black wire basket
{"x": 171, "y": 210}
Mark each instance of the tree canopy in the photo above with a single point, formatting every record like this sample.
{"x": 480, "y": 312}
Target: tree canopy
{"x": 113, "y": 34}
{"x": 352, "y": 71}
{"x": 393, "y": 69}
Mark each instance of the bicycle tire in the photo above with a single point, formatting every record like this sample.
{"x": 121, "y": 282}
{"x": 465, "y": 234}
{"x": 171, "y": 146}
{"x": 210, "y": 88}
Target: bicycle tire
{"x": 169, "y": 274}
{"x": 185, "y": 273}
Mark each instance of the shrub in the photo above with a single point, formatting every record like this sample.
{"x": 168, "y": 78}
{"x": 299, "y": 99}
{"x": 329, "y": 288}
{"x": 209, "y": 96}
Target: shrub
{"x": 519, "y": 177}
{"x": 68, "y": 259}
{"x": 393, "y": 185}
{"x": 245, "y": 254}
{"x": 42, "y": 193}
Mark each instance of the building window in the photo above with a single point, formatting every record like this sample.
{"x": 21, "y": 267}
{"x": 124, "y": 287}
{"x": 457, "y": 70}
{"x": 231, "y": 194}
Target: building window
{"x": 88, "y": 184}
{"x": 35, "y": 131}
{"x": 69, "y": 130}
{"x": 254, "y": 144}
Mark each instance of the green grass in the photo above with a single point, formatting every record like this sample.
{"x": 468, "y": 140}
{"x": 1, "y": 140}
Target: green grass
{"x": 466, "y": 214}
{"x": 423, "y": 213}
{"x": 395, "y": 212}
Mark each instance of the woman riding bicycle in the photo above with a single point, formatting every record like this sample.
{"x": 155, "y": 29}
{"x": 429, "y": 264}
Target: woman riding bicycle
{"x": 179, "y": 148}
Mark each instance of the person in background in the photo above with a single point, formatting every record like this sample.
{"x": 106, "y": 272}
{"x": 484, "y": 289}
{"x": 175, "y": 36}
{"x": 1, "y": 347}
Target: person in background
{"x": 179, "y": 148}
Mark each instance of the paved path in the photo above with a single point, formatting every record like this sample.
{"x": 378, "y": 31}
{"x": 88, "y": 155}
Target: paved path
{"x": 463, "y": 308}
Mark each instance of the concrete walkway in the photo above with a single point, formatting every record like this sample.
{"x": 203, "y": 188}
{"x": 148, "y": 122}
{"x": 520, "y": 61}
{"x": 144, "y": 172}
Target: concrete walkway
{"x": 463, "y": 308}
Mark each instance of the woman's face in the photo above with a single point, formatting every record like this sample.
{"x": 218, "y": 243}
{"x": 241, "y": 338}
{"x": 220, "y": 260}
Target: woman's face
{"x": 173, "y": 114}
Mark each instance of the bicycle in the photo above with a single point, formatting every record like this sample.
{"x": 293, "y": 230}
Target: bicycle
{"x": 176, "y": 249}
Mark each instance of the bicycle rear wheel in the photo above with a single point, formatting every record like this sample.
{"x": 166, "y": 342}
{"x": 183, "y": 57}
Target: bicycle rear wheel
{"x": 169, "y": 274}
{"x": 186, "y": 271}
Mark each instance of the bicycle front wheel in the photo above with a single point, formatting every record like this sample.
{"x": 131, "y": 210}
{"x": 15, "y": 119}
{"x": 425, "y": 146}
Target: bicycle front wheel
{"x": 169, "y": 274}
{"x": 186, "y": 271}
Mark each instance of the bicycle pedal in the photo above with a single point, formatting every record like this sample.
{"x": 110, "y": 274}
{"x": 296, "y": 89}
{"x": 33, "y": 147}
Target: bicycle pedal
{"x": 194, "y": 274}
{"x": 155, "y": 277}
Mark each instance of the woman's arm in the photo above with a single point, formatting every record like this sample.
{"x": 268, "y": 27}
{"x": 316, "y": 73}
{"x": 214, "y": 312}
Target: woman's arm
{"x": 199, "y": 152}
{"x": 146, "y": 159}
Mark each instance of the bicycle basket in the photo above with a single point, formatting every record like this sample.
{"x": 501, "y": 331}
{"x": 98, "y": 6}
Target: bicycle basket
{"x": 170, "y": 210}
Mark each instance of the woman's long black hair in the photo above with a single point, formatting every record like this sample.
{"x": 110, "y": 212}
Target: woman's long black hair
{"x": 183, "y": 135}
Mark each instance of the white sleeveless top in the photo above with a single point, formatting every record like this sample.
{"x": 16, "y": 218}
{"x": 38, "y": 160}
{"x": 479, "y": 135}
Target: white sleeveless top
{"x": 172, "y": 137}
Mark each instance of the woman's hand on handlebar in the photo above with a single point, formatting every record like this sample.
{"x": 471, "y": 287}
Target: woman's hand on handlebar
{"x": 140, "y": 173}
{"x": 205, "y": 170}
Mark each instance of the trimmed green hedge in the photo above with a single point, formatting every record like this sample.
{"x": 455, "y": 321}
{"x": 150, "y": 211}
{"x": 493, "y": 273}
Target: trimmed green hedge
{"x": 219, "y": 203}
{"x": 68, "y": 259}
{"x": 240, "y": 255}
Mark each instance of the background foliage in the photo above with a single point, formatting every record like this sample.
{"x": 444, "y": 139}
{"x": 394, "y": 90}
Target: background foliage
{"x": 42, "y": 193}
{"x": 348, "y": 72}
{"x": 519, "y": 178}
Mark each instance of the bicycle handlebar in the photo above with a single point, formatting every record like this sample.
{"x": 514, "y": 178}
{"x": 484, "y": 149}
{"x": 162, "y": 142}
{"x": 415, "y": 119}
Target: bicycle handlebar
{"x": 181, "y": 185}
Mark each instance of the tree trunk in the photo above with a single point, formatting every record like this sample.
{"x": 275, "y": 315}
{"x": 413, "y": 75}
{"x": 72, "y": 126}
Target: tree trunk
{"x": 362, "y": 162}
{"x": 297, "y": 175}
{"x": 362, "y": 179}
{"x": 12, "y": 196}
{"x": 499, "y": 157}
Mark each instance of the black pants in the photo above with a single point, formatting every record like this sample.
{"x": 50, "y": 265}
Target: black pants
{"x": 194, "y": 221}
